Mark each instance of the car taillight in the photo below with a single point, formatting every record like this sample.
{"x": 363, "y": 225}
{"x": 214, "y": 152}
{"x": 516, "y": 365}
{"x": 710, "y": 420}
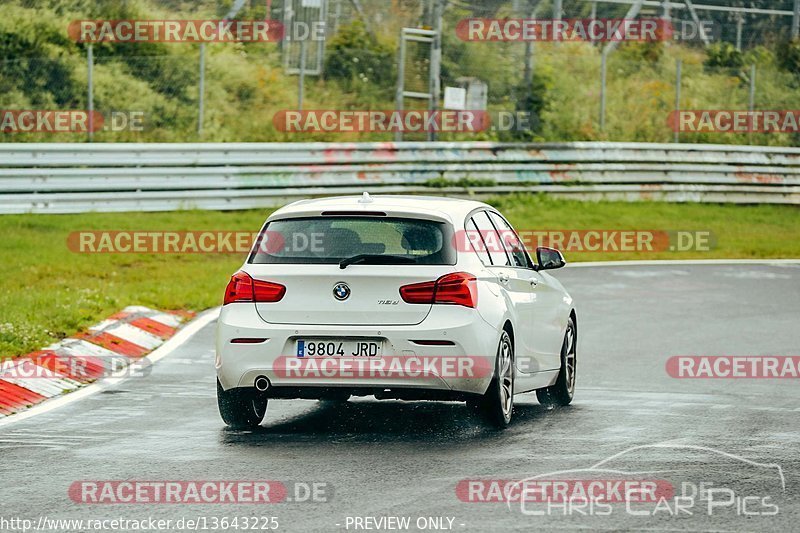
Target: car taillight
{"x": 243, "y": 288}
{"x": 460, "y": 288}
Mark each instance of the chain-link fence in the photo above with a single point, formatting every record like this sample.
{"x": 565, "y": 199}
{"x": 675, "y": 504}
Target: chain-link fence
{"x": 528, "y": 91}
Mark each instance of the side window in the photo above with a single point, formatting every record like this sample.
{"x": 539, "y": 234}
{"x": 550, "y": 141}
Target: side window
{"x": 474, "y": 235}
{"x": 492, "y": 239}
{"x": 511, "y": 241}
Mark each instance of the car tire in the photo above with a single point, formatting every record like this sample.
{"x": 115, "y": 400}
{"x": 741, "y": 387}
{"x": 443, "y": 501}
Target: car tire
{"x": 241, "y": 408}
{"x": 563, "y": 390}
{"x": 497, "y": 404}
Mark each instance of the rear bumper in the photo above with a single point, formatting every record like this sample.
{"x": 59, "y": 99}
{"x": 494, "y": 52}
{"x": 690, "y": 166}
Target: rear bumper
{"x": 466, "y": 366}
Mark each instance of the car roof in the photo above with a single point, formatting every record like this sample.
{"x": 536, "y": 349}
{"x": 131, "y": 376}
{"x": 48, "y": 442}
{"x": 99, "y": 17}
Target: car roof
{"x": 453, "y": 209}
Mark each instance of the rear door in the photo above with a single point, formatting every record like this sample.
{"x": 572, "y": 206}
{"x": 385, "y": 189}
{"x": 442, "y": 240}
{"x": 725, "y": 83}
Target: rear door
{"x": 395, "y": 252}
{"x": 516, "y": 288}
{"x": 543, "y": 315}
{"x": 517, "y": 284}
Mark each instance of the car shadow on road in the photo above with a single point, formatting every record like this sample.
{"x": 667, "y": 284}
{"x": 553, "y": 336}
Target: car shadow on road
{"x": 395, "y": 421}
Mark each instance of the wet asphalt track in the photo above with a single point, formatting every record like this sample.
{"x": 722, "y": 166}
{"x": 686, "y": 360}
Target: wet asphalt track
{"x": 405, "y": 459}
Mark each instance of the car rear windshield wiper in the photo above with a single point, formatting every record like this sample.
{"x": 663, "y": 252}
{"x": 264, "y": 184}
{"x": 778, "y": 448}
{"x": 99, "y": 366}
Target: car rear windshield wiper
{"x": 376, "y": 260}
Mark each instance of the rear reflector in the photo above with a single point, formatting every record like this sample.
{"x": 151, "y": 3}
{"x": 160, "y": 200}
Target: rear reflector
{"x": 460, "y": 288}
{"x": 434, "y": 343}
{"x": 248, "y": 341}
{"x": 243, "y": 288}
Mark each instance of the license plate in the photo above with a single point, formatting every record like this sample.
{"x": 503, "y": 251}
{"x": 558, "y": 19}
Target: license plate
{"x": 338, "y": 348}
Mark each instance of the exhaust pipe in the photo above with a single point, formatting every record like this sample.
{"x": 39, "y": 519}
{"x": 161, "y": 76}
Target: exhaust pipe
{"x": 262, "y": 384}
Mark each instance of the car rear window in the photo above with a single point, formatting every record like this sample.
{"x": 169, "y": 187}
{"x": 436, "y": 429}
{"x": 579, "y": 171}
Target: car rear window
{"x": 330, "y": 239}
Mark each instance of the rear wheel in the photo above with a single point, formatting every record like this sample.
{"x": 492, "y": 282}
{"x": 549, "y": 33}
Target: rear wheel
{"x": 241, "y": 408}
{"x": 496, "y": 405}
{"x": 562, "y": 392}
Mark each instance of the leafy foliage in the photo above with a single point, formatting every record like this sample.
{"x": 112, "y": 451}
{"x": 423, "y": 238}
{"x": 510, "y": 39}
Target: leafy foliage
{"x": 358, "y": 59}
{"x": 724, "y": 55}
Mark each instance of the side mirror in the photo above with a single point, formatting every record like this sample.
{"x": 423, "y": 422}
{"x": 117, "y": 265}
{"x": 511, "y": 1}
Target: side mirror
{"x": 549, "y": 259}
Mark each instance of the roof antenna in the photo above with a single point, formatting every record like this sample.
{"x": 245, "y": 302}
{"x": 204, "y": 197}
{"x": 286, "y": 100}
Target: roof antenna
{"x": 366, "y": 199}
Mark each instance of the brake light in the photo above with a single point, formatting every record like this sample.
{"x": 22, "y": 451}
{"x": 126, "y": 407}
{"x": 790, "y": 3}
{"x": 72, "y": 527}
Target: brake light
{"x": 460, "y": 288}
{"x": 243, "y": 288}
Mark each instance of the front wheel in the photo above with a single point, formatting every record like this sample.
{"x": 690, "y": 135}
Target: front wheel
{"x": 563, "y": 390}
{"x": 241, "y": 408}
{"x": 496, "y": 405}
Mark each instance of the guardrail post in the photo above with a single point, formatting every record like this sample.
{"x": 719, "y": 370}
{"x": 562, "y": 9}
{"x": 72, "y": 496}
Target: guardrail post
{"x": 90, "y": 89}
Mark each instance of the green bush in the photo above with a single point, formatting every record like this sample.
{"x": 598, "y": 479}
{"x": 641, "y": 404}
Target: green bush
{"x": 358, "y": 59}
{"x": 788, "y": 57}
{"x": 724, "y": 55}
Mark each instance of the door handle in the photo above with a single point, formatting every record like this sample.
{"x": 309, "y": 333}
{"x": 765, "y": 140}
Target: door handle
{"x": 534, "y": 282}
{"x": 503, "y": 278}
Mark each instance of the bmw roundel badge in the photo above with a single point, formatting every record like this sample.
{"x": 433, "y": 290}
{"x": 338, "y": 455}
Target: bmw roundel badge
{"x": 341, "y": 291}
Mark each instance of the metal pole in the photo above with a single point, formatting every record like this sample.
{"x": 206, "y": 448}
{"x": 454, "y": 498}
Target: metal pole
{"x": 739, "y": 27}
{"x": 401, "y": 82}
{"x": 337, "y": 16}
{"x": 201, "y": 89}
{"x": 603, "y": 59}
{"x": 697, "y": 21}
{"x": 90, "y": 84}
{"x": 796, "y": 20}
{"x": 752, "y": 103}
{"x": 558, "y": 11}
{"x": 632, "y": 14}
{"x": 678, "y": 78}
{"x": 435, "y": 86}
{"x": 301, "y": 79}
{"x": 529, "y": 61}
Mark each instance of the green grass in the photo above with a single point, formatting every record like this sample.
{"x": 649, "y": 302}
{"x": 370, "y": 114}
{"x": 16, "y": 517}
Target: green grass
{"x": 738, "y": 232}
{"x": 48, "y": 292}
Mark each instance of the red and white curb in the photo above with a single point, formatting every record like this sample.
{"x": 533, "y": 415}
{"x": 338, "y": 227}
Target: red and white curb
{"x": 122, "y": 339}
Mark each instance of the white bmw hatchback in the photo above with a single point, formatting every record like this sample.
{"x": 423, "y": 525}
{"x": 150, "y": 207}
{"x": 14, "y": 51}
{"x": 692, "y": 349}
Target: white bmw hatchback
{"x": 410, "y": 298}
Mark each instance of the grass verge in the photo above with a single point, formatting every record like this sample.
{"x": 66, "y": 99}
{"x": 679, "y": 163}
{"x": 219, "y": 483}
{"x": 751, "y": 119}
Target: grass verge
{"x": 48, "y": 292}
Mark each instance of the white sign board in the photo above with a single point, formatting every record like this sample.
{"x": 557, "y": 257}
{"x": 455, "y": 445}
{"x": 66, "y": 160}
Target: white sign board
{"x": 455, "y": 98}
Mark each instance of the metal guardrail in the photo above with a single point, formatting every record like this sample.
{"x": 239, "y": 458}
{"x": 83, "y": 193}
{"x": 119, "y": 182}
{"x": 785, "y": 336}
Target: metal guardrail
{"x": 70, "y": 178}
